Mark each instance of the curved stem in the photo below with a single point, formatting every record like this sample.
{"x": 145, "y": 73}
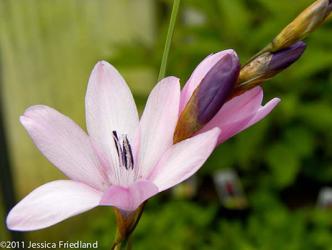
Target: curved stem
{"x": 169, "y": 37}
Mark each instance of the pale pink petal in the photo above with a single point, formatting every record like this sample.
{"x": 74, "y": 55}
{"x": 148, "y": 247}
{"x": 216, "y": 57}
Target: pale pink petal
{"x": 52, "y": 203}
{"x": 183, "y": 159}
{"x": 64, "y": 144}
{"x": 198, "y": 74}
{"x": 109, "y": 107}
{"x": 263, "y": 112}
{"x": 247, "y": 103}
{"x": 129, "y": 198}
{"x": 237, "y": 114}
{"x": 158, "y": 123}
{"x": 233, "y": 128}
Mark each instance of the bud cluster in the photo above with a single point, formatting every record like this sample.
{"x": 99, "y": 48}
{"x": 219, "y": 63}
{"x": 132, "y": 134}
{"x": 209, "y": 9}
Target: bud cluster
{"x": 285, "y": 49}
{"x": 225, "y": 79}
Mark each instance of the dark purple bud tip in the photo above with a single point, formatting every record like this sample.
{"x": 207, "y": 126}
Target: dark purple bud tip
{"x": 216, "y": 87}
{"x": 285, "y": 57}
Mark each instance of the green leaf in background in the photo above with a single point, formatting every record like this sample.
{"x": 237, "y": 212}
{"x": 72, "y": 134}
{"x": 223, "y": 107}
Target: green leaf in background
{"x": 284, "y": 164}
{"x": 300, "y": 140}
{"x": 318, "y": 115}
{"x": 237, "y": 27}
{"x": 248, "y": 144}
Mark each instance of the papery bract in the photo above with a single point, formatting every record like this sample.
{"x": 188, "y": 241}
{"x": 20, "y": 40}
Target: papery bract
{"x": 305, "y": 23}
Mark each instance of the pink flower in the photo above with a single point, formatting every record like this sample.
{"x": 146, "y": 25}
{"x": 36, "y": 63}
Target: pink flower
{"x": 124, "y": 161}
{"x": 121, "y": 163}
{"x": 235, "y": 115}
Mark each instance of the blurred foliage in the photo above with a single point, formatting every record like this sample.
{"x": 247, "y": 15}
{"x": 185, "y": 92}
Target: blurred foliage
{"x": 180, "y": 224}
{"x": 283, "y": 161}
{"x": 2, "y": 218}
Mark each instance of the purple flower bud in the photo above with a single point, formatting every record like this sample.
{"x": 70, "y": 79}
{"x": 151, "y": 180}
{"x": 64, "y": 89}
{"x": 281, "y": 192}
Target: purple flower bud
{"x": 207, "y": 99}
{"x": 268, "y": 65}
{"x": 216, "y": 87}
{"x": 284, "y": 58}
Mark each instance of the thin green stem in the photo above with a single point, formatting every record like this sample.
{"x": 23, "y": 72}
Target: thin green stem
{"x": 122, "y": 245}
{"x": 170, "y": 32}
{"x": 126, "y": 224}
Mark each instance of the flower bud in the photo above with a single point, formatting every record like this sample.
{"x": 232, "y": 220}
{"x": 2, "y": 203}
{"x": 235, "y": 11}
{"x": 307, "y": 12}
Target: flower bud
{"x": 311, "y": 18}
{"x": 208, "y": 97}
{"x": 268, "y": 65}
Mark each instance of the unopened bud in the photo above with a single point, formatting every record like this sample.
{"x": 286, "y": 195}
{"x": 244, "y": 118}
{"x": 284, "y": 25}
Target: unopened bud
{"x": 268, "y": 65}
{"x": 208, "y": 97}
{"x": 311, "y": 18}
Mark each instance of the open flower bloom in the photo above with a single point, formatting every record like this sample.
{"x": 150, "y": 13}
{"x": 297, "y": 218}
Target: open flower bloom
{"x": 121, "y": 163}
{"x": 235, "y": 115}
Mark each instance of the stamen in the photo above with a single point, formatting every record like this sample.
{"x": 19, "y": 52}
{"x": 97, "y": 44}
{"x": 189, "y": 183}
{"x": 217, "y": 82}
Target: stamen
{"x": 117, "y": 146}
{"x": 128, "y": 154}
{"x": 124, "y": 155}
{"x": 124, "y": 151}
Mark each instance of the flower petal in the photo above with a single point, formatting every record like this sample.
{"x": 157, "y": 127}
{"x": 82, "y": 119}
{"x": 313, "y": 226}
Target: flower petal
{"x": 158, "y": 123}
{"x": 109, "y": 107}
{"x": 263, "y": 112}
{"x": 129, "y": 198}
{"x": 198, "y": 75}
{"x": 242, "y": 105}
{"x": 238, "y": 113}
{"x": 183, "y": 159}
{"x": 64, "y": 144}
{"x": 51, "y": 203}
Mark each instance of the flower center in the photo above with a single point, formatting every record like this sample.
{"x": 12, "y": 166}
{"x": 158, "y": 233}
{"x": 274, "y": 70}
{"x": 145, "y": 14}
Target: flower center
{"x": 124, "y": 151}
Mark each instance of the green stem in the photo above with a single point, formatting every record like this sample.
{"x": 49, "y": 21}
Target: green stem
{"x": 122, "y": 245}
{"x": 126, "y": 224}
{"x": 169, "y": 37}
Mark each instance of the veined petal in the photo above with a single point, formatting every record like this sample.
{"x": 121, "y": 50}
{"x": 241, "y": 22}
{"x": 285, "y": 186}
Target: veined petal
{"x": 183, "y": 159}
{"x": 158, "y": 123}
{"x": 129, "y": 198}
{"x": 109, "y": 107}
{"x": 51, "y": 203}
{"x": 198, "y": 74}
{"x": 239, "y": 113}
{"x": 64, "y": 144}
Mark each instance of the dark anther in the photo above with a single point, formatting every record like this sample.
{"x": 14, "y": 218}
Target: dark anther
{"x": 116, "y": 142}
{"x": 124, "y": 151}
{"x": 130, "y": 154}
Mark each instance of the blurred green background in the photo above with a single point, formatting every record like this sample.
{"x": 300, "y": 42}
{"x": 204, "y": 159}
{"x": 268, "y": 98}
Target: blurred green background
{"x": 47, "y": 50}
